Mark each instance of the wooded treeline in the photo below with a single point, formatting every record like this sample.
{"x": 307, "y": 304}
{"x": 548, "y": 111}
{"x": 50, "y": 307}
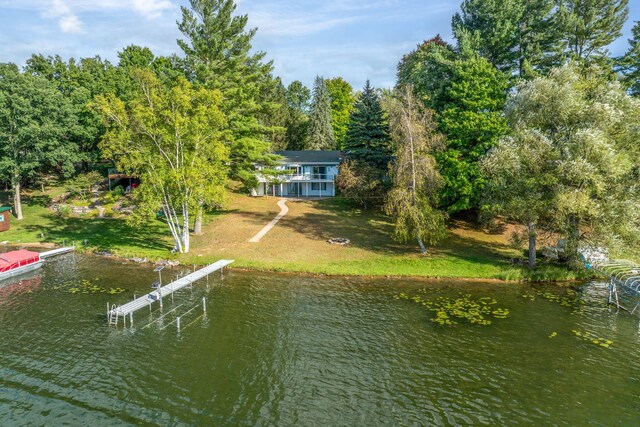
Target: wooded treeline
{"x": 525, "y": 117}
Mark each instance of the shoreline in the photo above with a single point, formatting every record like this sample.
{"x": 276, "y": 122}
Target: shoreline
{"x": 423, "y": 278}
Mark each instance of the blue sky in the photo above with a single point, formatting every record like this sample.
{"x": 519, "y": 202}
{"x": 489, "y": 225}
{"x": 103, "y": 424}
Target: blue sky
{"x": 355, "y": 39}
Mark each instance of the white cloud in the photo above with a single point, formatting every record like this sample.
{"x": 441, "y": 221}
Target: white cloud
{"x": 151, "y": 9}
{"x": 70, "y": 24}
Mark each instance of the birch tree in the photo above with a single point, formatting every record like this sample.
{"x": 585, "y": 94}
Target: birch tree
{"x": 416, "y": 182}
{"x": 174, "y": 140}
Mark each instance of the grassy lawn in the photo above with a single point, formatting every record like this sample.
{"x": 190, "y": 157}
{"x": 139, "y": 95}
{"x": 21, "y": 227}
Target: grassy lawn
{"x": 297, "y": 244}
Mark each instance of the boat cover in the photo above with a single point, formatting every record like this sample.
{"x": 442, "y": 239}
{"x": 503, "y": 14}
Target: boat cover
{"x": 15, "y": 259}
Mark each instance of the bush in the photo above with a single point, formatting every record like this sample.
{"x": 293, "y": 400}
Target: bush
{"x": 117, "y": 192}
{"x": 64, "y": 211}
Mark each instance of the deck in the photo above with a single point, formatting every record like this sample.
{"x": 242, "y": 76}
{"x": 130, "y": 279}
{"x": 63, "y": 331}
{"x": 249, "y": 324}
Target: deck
{"x": 116, "y": 312}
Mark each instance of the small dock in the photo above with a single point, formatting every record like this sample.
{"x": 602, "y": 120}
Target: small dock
{"x": 114, "y": 313}
{"x": 623, "y": 275}
{"x": 54, "y": 252}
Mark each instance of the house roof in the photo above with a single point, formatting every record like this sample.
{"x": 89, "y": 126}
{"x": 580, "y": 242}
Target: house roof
{"x": 4, "y": 209}
{"x": 310, "y": 156}
{"x": 9, "y": 258}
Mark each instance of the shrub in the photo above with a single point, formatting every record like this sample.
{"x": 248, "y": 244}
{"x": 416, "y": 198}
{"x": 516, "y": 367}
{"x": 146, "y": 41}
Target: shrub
{"x": 64, "y": 211}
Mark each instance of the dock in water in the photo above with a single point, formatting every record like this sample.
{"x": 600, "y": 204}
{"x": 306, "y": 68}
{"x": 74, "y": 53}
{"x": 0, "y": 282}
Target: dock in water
{"x": 58, "y": 251}
{"x": 116, "y": 312}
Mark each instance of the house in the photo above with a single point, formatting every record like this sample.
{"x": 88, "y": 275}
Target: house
{"x": 304, "y": 174}
{"x": 5, "y": 215}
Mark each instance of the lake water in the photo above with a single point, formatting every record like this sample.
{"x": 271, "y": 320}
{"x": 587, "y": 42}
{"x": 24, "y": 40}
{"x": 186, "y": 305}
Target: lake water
{"x": 289, "y": 350}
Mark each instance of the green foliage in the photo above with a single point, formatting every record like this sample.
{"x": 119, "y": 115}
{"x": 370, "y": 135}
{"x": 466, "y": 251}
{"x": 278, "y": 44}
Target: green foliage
{"x": 218, "y": 55}
{"x": 362, "y": 183}
{"x": 320, "y": 134}
{"x": 517, "y": 36}
{"x": 342, "y": 104}
{"x": 412, "y": 201}
{"x": 117, "y": 192}
{"x": 173, "y": 139}
{"x": 588, "y": 27}
{"x": 570, "y": 165}
{"x": 83, "y": 184}
{"x": 299, "y": 104}
{"x": 629, "y": 64}
{"x": 368, "y": 139}
{"x": 35, "y": 123}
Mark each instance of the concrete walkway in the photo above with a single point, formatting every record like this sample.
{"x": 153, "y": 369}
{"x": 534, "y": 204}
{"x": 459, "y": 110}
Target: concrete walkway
{"x": 283, "y": 211}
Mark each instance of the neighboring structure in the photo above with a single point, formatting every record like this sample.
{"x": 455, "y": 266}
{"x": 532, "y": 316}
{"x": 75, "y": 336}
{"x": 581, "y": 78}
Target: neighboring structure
{"x": 305, "y": 174}
{"x": 5, "y": 215}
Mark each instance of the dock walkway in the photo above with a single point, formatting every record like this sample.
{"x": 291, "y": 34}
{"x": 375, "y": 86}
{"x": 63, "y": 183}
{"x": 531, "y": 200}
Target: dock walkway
{"x": 115, "y": 312}
{"x": 58, "y": 251}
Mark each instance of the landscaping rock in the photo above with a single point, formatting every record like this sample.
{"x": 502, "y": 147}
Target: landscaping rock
{"x": 105, "y": 253}
{"x": 168, "y": 263}
{"x": 138, "y": 260}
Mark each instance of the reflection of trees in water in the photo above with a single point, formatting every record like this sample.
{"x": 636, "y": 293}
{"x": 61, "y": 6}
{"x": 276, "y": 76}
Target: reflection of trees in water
{"x": 18, "y": 286}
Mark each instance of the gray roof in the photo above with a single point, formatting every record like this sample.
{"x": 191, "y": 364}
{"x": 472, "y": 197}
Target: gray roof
{"x": 310, "y": 156}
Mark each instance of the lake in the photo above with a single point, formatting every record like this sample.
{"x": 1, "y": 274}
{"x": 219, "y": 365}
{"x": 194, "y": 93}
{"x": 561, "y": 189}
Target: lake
{"x": 305, "y": 351}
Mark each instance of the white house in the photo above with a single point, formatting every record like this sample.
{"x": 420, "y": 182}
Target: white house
{"x": 305, "y": 174}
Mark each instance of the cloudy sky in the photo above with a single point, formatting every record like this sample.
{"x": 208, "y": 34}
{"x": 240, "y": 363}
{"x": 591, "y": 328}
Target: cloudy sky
{"x": 355, "y": 39}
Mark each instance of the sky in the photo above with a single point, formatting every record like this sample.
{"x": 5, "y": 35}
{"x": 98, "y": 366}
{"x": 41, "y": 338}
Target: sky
{"x": 353, "y": 39}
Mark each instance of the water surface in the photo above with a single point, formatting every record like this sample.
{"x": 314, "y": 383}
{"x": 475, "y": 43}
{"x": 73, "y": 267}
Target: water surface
{"x": 289, "y": 350}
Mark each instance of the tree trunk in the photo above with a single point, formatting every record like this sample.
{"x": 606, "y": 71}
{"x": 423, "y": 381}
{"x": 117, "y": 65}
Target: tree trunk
{"x": 197, "y": 226}
{"x": 17, "y": 201}
{"x": 423, "y": 248}
{"x": 532, "y": 245}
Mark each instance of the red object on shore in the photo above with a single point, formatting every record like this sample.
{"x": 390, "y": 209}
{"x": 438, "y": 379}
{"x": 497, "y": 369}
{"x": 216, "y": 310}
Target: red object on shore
{"x": 16, "y": 259}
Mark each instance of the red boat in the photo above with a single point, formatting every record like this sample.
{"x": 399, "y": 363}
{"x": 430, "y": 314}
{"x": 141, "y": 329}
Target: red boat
{"x": 18, "y": 262}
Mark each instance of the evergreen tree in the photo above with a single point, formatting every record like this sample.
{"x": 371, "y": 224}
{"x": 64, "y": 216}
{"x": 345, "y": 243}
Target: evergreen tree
{"x": 320, "y": 134}
{"x": 298, "y": 105}
{"x": 218, "y": 51}
{"x": 629, "y": 64}
{"x": 342, "y": 101}
{"x": 590, "y": 26}
{"x": 516, "y": 36}
{"x": 368, "y": 137}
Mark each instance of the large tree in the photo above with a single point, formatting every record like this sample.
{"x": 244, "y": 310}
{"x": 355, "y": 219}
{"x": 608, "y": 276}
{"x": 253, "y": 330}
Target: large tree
{"x": 368, "y": 137}
{"x": 413, "y": 199}
{"x": 35, "y": 124}
{"x": 298, "y": 106}
{"x": 629, "y": 64}
{"x": 173, "y": 139}
{"x": 590, "y": 26}
{"x": 516, "y": 36}
{"x": 320, "y": 134}
{"x": 571, "y": 165}
{"x": 342, "y": 100}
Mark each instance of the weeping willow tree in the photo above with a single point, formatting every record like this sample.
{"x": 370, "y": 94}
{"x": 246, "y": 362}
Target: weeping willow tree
{"x": 173, "y": 139}
{"x": 412, "y": 201}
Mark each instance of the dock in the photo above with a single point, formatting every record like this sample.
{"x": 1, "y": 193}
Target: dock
{"x": 114, "y": 313}
{"x": 59, "y": 251}
{"x": 623, "y": 275}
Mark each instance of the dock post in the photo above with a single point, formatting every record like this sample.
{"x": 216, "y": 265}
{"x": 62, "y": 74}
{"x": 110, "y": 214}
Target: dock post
{"x": 131, "y": 319}
{"x": 204, "y": 305}
{"x": 178, "y": 323}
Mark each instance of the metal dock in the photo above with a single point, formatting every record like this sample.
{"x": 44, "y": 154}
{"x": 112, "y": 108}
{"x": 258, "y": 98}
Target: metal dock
{"x": 114, "y": 313}
{"x": 623, "y": 275}
{"x": 58, "y": 251}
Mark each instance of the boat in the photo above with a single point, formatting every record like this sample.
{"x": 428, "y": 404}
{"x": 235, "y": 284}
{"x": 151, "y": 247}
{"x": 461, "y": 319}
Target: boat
{"x": 18, "y": 262}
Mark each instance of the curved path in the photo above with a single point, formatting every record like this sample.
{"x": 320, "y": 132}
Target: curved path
{"x": 284, "y": 209}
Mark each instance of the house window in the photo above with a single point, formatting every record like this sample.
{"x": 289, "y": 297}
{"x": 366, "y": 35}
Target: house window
{"x": 1, "y": 217}
{"x": 316, "y": 186}
{"x": 320, "y": 172}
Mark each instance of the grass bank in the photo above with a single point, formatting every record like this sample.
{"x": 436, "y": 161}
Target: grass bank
{"x": 297, "y": 244}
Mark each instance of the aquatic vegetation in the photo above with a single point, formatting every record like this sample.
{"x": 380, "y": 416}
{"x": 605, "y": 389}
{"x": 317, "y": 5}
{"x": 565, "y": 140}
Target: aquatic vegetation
{"x": 569, "y": 299}
{"x": 86, "y": 287}
{"x": 553, "y": 335}
{"x": 450, "y": 311}
{"x": 589, "y": 337}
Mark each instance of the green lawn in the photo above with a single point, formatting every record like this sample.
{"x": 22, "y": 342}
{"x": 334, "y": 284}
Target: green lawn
{"x": 297, "y": 244}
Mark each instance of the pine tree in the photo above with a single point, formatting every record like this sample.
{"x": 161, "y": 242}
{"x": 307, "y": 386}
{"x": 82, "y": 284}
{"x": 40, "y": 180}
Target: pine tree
{"x": 368, "y": 137}
{"x": 516, "y": 36}
{"x": 629, "y": 64}
{"x": 590, "y": 26}
{"x": 320, "y": 134}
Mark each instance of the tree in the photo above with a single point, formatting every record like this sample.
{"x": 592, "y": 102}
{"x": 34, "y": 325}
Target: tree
{"x": 218, "y": 51}
{"x": 368, "y": 137}
{"x": 362, "y": 183}
{"x": 35, "y": 119}
{"x": 320, "y": 134}
{"x": 342, "y": 100}
{"x": 173, "y": 139}
{"x": 571, "y": 165}
{"x": 412, "y": 201}
{"x": 299, "y": 104}
{"x": 629, "y": 64}
{"x": 517, "y": 36}
{"x": 590, "y": 26}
